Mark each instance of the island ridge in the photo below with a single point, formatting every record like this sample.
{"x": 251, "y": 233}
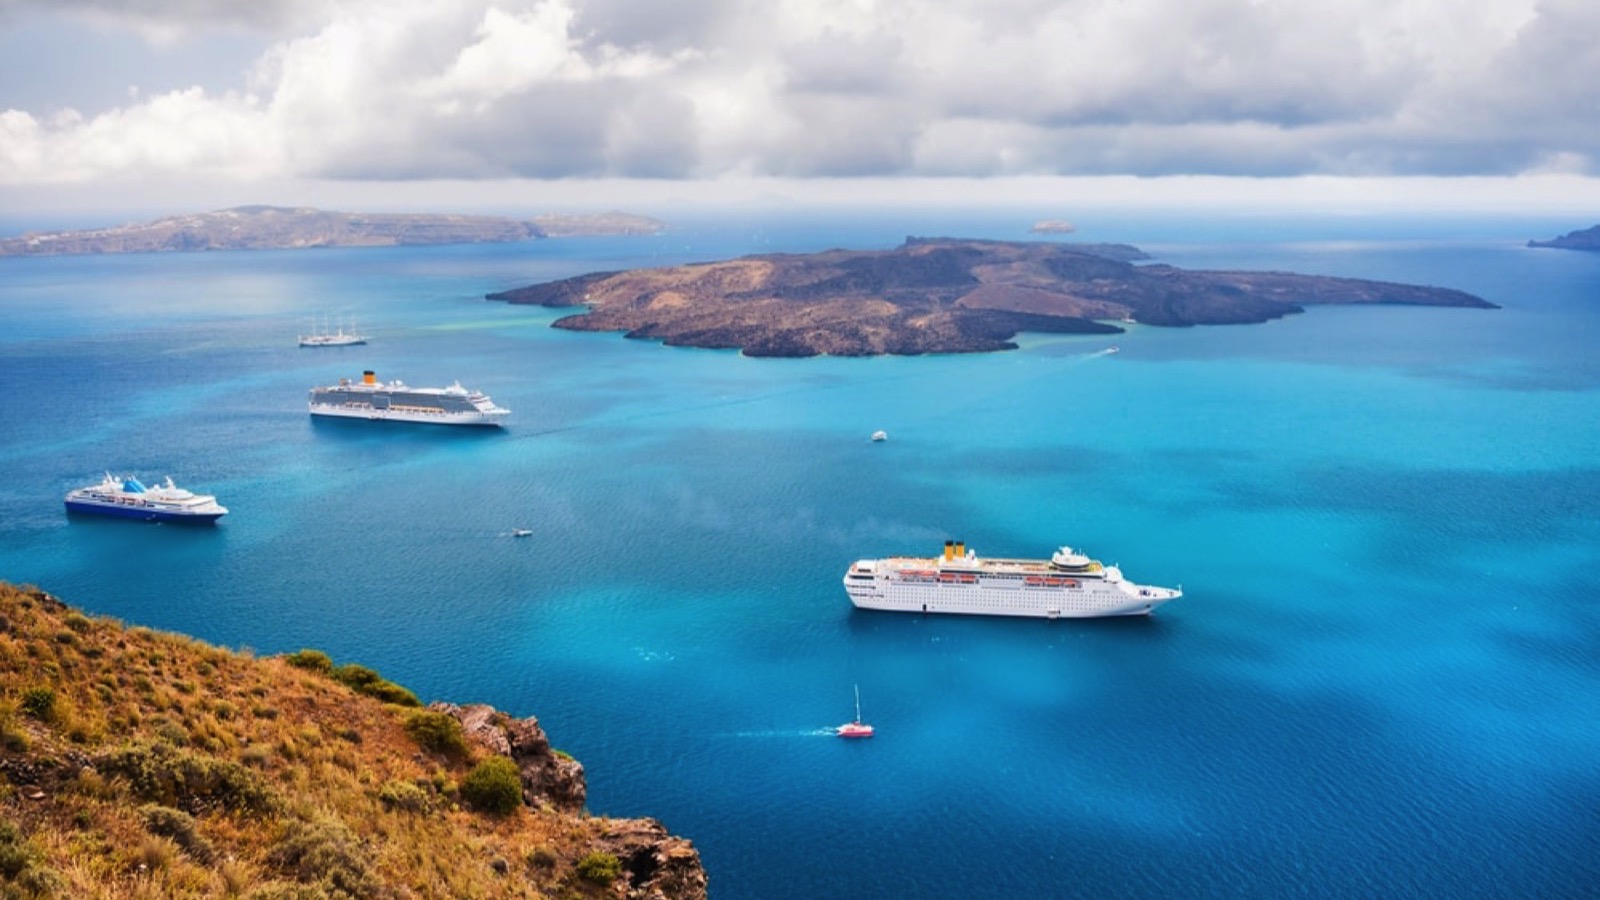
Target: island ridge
{"x": 938, "y": 295}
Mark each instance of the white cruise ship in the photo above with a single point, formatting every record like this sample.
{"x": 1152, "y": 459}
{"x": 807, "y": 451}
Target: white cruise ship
{"x": 396, "y": 401}
{"x": 1068, "y": 585}
{"x": 128, "y": 498}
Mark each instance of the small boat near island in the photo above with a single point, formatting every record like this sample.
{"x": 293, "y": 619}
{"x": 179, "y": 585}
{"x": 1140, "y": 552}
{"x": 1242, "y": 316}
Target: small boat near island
{"x": 128, "y": 498}
{"x": 395, "y": 401}
{"x": 522, "y": 532}
{"x": 855, "y": 728}
{"x": 1068, "y": 585}
{"x": 878, "y": 436}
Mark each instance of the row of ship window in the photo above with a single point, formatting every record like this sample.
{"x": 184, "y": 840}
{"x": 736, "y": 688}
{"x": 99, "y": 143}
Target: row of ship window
{"x": 1034, "y": 581}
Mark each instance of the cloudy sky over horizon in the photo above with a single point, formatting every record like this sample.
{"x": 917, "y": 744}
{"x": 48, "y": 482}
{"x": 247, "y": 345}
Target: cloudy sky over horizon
{"x": 272, "y": 92}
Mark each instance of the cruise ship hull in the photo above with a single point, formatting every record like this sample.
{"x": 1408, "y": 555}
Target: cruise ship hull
{"x": 1047, "y": 603}
{"x": 1067, "y": 586}
{"x": 142, "y": 514}
{"x": 372, "y": 413}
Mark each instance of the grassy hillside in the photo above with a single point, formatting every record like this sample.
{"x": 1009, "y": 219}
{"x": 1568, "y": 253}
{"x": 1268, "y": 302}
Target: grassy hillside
{"x": 136, "y": 763}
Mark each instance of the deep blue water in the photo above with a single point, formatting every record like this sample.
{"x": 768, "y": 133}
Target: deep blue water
{"x": 1382, "y": 680}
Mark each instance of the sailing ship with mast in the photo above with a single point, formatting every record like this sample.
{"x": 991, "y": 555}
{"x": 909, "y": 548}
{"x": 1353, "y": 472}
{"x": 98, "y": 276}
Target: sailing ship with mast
{"x": 855, "y": 728}
{"x": 337, "y": 338}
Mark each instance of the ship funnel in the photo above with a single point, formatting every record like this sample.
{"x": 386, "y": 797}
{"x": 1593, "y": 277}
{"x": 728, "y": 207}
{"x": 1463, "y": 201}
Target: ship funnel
{"x": 961, "y": 548}
{"x": 949, "y": 550}
{"x": 369, "y": 377}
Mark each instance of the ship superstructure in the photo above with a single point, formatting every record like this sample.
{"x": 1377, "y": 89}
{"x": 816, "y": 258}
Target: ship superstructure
{"x": 396, "y": 401}
{"x": 1068, "y": 585}
{"x": 127, "y": 498}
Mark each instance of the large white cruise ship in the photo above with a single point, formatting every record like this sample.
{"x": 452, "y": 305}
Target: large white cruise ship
{"x": 396, "y": 401}
{"x": 1068, "y": 585}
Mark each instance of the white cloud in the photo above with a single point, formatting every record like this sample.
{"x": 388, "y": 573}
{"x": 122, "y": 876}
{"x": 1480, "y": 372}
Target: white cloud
{"x": 805, "y": 88}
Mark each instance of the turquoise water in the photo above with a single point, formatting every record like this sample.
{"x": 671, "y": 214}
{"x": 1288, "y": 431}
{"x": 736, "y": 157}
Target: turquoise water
{"x": 1381, "y": 680}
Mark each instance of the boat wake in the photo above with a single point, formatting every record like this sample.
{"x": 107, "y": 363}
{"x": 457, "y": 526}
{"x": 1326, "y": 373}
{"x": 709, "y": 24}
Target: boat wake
{"x": 778, "y": 733}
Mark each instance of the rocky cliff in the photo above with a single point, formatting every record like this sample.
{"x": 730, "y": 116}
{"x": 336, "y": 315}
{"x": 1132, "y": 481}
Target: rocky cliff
{"x": 143, "y": 764}
{"x": 937, "y": 295}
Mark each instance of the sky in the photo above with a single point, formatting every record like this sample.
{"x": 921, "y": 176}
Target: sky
{"x": 191, "y": 104}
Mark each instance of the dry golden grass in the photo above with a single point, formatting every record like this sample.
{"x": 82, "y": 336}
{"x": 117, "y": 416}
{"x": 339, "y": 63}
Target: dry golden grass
{"x": 135, "y": 763}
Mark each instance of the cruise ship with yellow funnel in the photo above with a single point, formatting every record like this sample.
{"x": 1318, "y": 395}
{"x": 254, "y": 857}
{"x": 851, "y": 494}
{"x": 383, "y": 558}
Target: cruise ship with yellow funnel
{"x": 1068, "y": 585}
{"x": 395, "y": 401}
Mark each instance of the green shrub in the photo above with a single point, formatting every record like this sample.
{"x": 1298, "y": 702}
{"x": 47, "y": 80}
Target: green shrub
{"x": 403, "y": 795}
{"x": 437, "y": 731}
{"x": 190, "y": 781}
{"x": 278, "y": 890}
{"x": 389, "y": 692}
{"x": 39, "y": 702}
{"x": 311, "y": 661}
{"x": 493, "y": 786}
{"x": 15, "y": 853}
{"x": 542, "y": 857}
{"x": 40, "y": 881}
{"x": 178, "y": 825}
{"x": 364, "y": 680}
{"x": 325, "y": 853}
{"x": 22, "y": 868}
{"x": 77, "y": 622}
{"x": 13, "y": 737}
{"x": 599, "y": 867}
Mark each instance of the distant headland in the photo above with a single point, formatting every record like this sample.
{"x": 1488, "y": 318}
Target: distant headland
{"x": 1585, "y": 239}
{"x": 938, "y": 295}
{"x": 288, "y": 228}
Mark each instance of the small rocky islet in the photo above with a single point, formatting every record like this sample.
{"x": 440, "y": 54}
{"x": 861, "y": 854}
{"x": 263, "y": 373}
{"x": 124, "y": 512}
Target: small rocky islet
{"x": 938, "y": 295}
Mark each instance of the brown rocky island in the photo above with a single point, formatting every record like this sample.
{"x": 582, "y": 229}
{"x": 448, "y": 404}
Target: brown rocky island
{"x": 938, "y": 295}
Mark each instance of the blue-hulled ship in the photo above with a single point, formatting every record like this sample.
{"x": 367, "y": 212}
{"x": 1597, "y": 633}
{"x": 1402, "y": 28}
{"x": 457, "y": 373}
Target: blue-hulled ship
{"x": 127, "y": 498}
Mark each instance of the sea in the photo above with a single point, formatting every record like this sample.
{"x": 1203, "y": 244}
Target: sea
{"x": 1381, "y": 680}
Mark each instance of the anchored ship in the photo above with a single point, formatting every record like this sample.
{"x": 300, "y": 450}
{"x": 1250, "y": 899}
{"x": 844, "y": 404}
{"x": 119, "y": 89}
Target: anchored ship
{"x": 396, "y": 401}
{"x": 1068, "y": 585}
{"x": 326, "y": 338}
{"x": 128, "y": 499}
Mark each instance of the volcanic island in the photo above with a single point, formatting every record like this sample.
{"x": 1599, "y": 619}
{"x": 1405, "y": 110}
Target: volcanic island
{"x": 938, "y": 295}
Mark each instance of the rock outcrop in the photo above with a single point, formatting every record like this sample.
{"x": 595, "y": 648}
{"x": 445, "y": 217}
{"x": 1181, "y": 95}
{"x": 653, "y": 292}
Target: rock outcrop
{"x": 658, "y": 865}
{"x": 937, "y": 295}
{"x": 547, "y": 775}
